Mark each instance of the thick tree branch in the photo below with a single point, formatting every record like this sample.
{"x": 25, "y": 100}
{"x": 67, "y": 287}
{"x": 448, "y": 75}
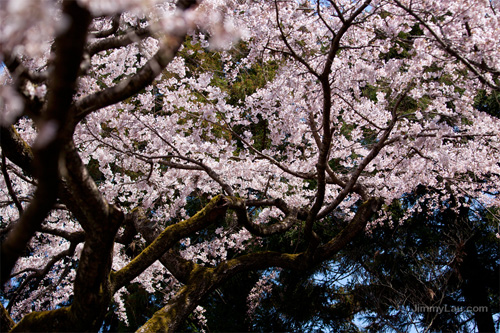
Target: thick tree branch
{"x": 170, "y": 317}
{"x": 212, "y": 212}
{"x": 115, "y": 24}
{"x": 119, "y": 41}
{"x": 100, "y": 221}
{"x": 179, "y": 267}
{"x": 144, "y": 76}
{"x": 68, "y": 55}
{"x": 74, "y": 237}
{"x": 131, "y": 86}
{"x": 6, "y": 321}
{"x": 203, "y": 280}
{"x": 46, "y": 321}
{"x": 16, "y": 149}
{"x": 8, "y": 183}
{"x": 261, "y": 229}
{"x": 371, "y": 155}
{"x": 93, "y": 289}
{"x": 94, "y": 209}
{"x": 355, "y": 226}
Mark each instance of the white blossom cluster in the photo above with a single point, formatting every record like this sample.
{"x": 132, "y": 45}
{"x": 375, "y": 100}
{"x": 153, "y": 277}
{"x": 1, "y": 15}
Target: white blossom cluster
{"x": 201, "y": 127}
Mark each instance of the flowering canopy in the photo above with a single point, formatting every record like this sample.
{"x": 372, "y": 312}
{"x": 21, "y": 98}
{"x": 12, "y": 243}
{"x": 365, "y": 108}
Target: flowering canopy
{"x": 162, "y": 143}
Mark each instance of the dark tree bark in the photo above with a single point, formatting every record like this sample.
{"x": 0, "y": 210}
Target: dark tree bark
{"x": 474, "y": 290}
{"x": 69, "y": 47}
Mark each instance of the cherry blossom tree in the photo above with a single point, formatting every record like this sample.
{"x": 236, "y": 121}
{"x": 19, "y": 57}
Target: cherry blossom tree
{"x": 165, "y": 143}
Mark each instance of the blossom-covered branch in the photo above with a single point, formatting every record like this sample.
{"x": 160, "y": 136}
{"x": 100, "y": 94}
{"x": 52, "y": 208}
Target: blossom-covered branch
{"x": 163, "y": 147}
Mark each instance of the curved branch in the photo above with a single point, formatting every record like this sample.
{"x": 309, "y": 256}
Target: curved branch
{"x": 212, "y": 174}
{"x": 170, "y": 317}
{"x": 186, "y": 4}
{"x": 280, "y": 203}
{"x": 8, "y": 183}
{"x": 212, "y": 212}
{"x": 39, "y": 273}
{"x": 68, "y": 56}
{"x": 73, "y": 237}
{"x": 134, "y": 84}
{"x": 261, "y": 229}
{"x": 179, "y": 267}
{"x": 199, "y": 166}
{"x": 115, "y": 24}
{"x": 371, "y": 155}
{"x": 17, "y": 69}
{"x": 357, "y": 224}
{"x": 451, "y": 51}
{"x": 289, "y": 47}
{"x": 334, "y": 179}
{"x": 203, "y": 280}
{"x": 119, "y": 41}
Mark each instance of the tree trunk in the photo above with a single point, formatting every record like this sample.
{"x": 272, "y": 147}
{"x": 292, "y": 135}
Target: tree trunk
{"x": 473, "y": 288}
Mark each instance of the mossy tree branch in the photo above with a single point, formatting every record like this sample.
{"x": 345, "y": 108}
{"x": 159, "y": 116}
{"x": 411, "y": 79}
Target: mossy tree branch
{"x": 259, "y": 229}
{"x": 202, "y": 280}
{"x": 179, "y": 267}
{"x": 211, "y": 213}
{"x": 6, "y": 321}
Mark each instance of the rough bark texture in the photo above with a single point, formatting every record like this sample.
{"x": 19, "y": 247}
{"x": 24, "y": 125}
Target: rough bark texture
{"x": 6, "y": 322}
{"x": 201, "y": 280}
{"x": 68, "y": 55}
{"x": 60, "y": 173}
{"x": 16, "y": 149}
{"x": 212, "y": 212}
{"x": 473, "y": 289}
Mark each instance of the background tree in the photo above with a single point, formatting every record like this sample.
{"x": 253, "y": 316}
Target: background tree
{"x": 427, "y": 273}
{"x": 160, "y": 148}
{"x": 430, "y": 272}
